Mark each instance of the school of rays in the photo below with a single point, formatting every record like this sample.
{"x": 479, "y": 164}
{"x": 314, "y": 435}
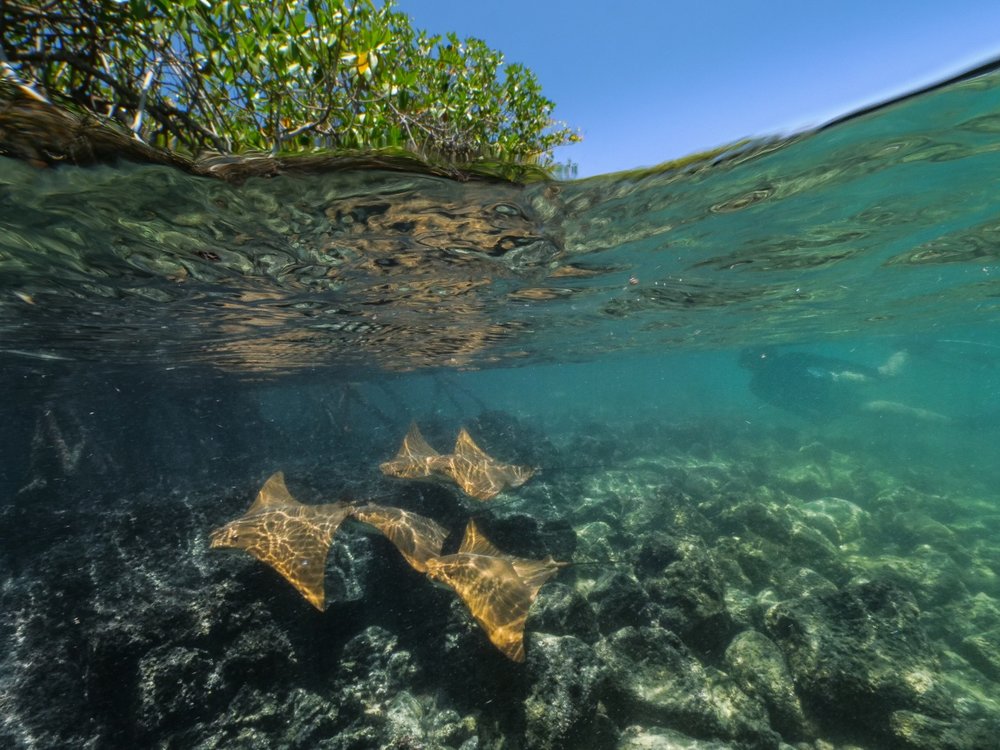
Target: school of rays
{"x": 498, "y": 589}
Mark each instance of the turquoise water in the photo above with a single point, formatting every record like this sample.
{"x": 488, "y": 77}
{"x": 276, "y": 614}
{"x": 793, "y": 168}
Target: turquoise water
{"x": 762, "y": 391}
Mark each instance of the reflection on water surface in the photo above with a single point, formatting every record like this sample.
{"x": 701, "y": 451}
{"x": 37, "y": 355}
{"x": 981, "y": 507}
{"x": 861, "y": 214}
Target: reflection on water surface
{"x": 863, "y": 226}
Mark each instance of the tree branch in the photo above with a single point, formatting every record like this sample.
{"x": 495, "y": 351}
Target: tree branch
{"x": 160, "y": 111}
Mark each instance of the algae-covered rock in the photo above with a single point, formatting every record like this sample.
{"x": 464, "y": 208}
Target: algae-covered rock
{"x": 372, "y": 670}
{"x": 596, "y": 540}
{"x": 933, "y": 577}
{"x": 261, "y": 718}
{"x": 759, "y": 667}
{"x": 687, "y": 586}
{"x": 840, "y": 520}
{"x": 757, "y": 518}
{"x": 378, "y": 706}
{"x": 562, "y": 610}
{"x": 806, "y": 480}
{"x": 175, "y": 683}
{"x": 561, "y": 711}
{"x": 657, "y": 738}
{"x": 525, "y": 536}
{"x": 413, "y": 722}
{"x": 859, "y": 655}
{"x": 796, "y": 582}
{"x": 983, "y": 651}
{"x": 912, "y": 528}
{"x": 653, "y": 679}
{"x": 773, "y": 534}
{"x": 618, "y": 600}
{"x": 807, "y": 546}
{"x": 922, "y": 732}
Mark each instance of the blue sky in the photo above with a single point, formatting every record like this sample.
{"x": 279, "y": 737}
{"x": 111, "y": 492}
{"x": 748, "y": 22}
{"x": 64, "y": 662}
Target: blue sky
{"x": 648, "y": 81}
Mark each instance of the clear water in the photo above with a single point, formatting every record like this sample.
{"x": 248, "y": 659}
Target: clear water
{"x": 792, "y": 322}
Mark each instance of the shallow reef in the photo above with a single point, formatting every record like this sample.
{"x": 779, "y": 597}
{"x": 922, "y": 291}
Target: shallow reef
{"x": 753, "y": 589}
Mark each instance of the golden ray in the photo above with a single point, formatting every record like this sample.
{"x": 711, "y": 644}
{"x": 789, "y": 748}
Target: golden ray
{"x": 291, "y": 537}
{"x": 476, "y": 473}
{"x": 498, "y": 589}
{"x": 481, "y": 476}
{"x": 415, "y": 459}
{"x": 417, "y": 538}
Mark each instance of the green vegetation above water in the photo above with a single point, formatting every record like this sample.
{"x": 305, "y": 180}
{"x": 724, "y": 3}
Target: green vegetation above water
{"x": 281, "y": 77}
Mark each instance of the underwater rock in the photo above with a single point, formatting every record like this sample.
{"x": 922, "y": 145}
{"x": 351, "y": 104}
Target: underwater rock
{"x": 745, "y": 563}
{"x": 981, "y": 612}
{"x": 983, "y": 573}
{"x": 742, "y": 608}
{"x": 259, "y": 719}
{"x": 767, "y": 520}
{"x": 759, "y": 667}
{"x": 983, "y": 652}
{"x": 596, "y": 507}
{"x": 687, "y": 585}
{"x": 618, "y": 601}
{"x": 859, "y": 655}
{"x": 373, "y": 692}
{"x": 762, "y": 603}
{"x": 562, "y": 710}
{"x": 145, "y": 639}
{"x": 653, "y": 679}
{"x": 732, "y": 574}
{"x": 808, "y": 481}
{"x": 926, "y": 733}
{"x": 656, "y": 738}
{"x": 626, "y": 497}
{"x": 841, "y": 521}
{"x": 562, "y": 610}
{"x": 414, "y": 723}
{"x": 178, "y": 685}
{"x": 933, "y": 578}
{"x": 913, "y": 528}
{"x": 793, "y": 583}
{"x": 521, "y": 535}
{"x": 372, "y": 667}
{"x": 807, "y": 546}
{"x": 771, "y": 534}
{"x": 679, "y": 502}
{"x": 894, "y": 497}
{"x": 596, "y": 540}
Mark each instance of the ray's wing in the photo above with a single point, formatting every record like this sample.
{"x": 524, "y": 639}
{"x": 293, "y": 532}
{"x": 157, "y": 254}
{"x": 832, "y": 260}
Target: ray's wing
{"x": 470, "y": 469}
{"x": 294, "y": 540}
{"x": 466, "y": 448}
{"x": 515, "y": 476}
{"x": 481, "y": 476}
{"x": 417, "y": 538}
{"x": 535, "y": 573}
{"x": 498, "y": 589}
{"x": 475, "y": 543}
{"x": 273, "y": 494}
{"x": 414, "y": 445}
{"x": 493, "y": 592}
{"x": 414, "y": 458}
{"x": 474, "y": 480}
